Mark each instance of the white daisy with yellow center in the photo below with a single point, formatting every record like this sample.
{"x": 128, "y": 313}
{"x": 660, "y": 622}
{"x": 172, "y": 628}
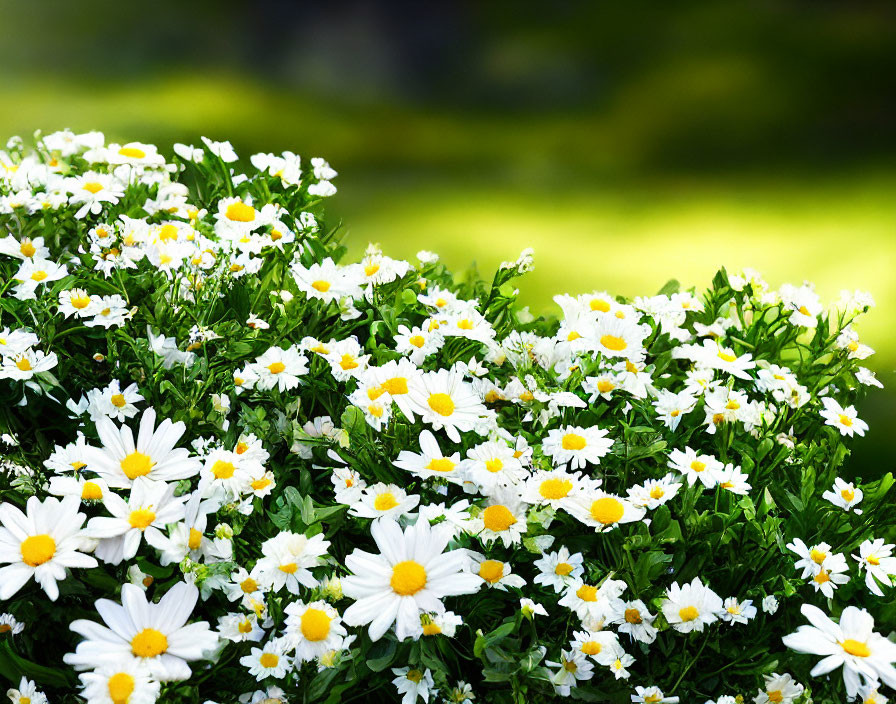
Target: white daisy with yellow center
{"x": 313, "y": 629}
{"x": 576, "y": 446}
{"x": 280, "y": 368}
{"x": 271, "y": 660}
{"x": 696, "y": 466}
{"x": 555, "y": 488}
{"x": 616, "y": 337}
{"x": 691, "y": 607}
{"x": 603, "y": 511}
{"x": 495, "y": 573}
{"x": 503, "y": 518}
{"x": 128, "y": 682}
{"x": 384, "y": 500}
{"x": 287, "y": 561}
{"x": 493, "y": 464}
{"x": 601, "y": 646}
{"x": 559, "y": 569}
{"x": 431, "y": 462}
{"x": 444, "y": 400}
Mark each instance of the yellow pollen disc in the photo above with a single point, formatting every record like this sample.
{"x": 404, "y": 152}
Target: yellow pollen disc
{"x": 587, "y": 593}
{"x": 385, "y": 501}
{"x": 276, "y": 235}
{"x": 804, "y": 310}
{"x": 240, "y": 212}
{"x": 491, "y": 570}
{"x": 497, "y": 518}
{"x": 371, "y": 269}
{"x": 259, "y": 484}
{"x": 23, "y": 364}
{"x": 698, "y": 466}
{"x": 132, "y": 152}
{"x": 276, "y": 367}
{"x": 416, "y": 340}
{"x": 775, "y": 696}
{"x": 465, "y": 324}
{"x": 141, "y": 518}
{"x": 494, "y": 465}
{"x": 555, "y": 488}
{"x": 431, "y": 629}
{"x": 526, "y": 396}
{"x": 118, "y": 400}
{"x": 80, "y": 302}
{"x": 570, "y": 666}
{"x": 120, "y": 686}
{"x": 441, "y": 303}
{"x": 136, "y": 465}
{"x": 93, "y": 187}
{"x": 571, "y": 441}
{"x": 249, "y": 585}
{"x": 5, "y": 628}
{"x": 873, "y": 560}
{"x": 675, "y": 413}
{"x": 492, "y": 396}
{"x": 856, "y": 647}
{"x": 732, "y": 405}
{"x": 591, "y": 647}
{"x": 611, "y": 342}
{"x": 408, "y": 578}
{"x": 441, "y": 404}
{"x": 315, "y": 624}
{"x": 652, "y": 698}
{"x": 573, "y": 336}
{"x": 563, "y": 569}
{"x": 845, "y": 420}
{"x": 440, "y": 464}
{"x": 605, "y": 387}
{"x": 348, "y": 362}
{"x": 245, "y": 626}
{"x": 630, "y": 367}
{"x": 822, "y": 577}
{"x": 657, "y": 492}
{"x": 853, "y": 346}
{"x": 598, "y": 304}
{"x": 37, "y": 549}
{"x": 632, "y": 616}
{"x": 607, "y": 510}
{"x": 848, "y": 494}
{"x": 147, "y": 581}
{"x": 414, "y": 675}
{"x": 718, "y": 419}
{"x": 396, "y": 386}
{"x": 289, "y": 568}
{"x": 78, "y": 465}
{"x": 817, "y": 556}
{"x": 39, "y": 275}
{"x": 195, "y": 539}
{"x": 321, "y": 285}
{"x": 149, "y": 643}
{"x": 91, "y": 491}
{"x": 223, "y": 470}
{"x": 688, "y": 613}
{"x": 726, "y": 356}
{"x": 27, "y": 249}
{"x": 269, "y": 660}
{"x": 167, "y": 232}
{"x": 241, "y": 448}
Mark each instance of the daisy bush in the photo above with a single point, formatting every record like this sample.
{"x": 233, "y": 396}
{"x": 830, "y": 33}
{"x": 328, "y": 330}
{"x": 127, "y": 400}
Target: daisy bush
{"x": 238, "y": 468}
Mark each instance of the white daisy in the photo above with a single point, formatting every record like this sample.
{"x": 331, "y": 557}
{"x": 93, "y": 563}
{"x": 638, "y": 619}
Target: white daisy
{"x": 559, "y": 569}
{"x": 431, "y": 462}
{"x": 287, "y": 561}
{"x": 384, "y": 500}
{"x": 127, "y": 682}
{"x": 271, "y": 660}
{"x": 444, "y": 400}
{"x": 691, "y": 607}
{"x": 413, "y": 683}
{"x": 694, "y": 465}
{"x": 493, "y": 464}
{"x": 844, "y": 419}
{"x": 876, "y": 558}
{"x": 603, "y": 511}
{"x": 845, "y": 495}
{"x": 576, "y": 446}
{"x": 313, "y": 629}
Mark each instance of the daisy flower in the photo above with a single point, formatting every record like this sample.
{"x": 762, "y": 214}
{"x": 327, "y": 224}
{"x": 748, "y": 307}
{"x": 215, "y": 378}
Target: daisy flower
{"x": 412, "y": 683}
{"x": 242, "y": 586}
{"x": 444, "y": 400}
{"x": 26, "y": 693}
{"x": 24, "y": 365}
{"x": 572, "y": 667}
{"x": 238, "y": 628}
{"x": 495, "y": 573}
{"x": 559, "y": 569}
{"x": 844, "y": 419}
{"x": 325, "y": 281}
{"x": 155, "y": 635}
{"x": 845, "y": 495}
{"x": 603, "y": 511}
{"x": 778, "y": 689}
{"x": 394, "y": 378}
{"x": 691, "y": 607}
{"x": 736, "y": 611}
{"x": 601, "y": 646}
{"x": 618, "y": 668}
{"x": 493, "y": 464}
{"x": 589, "y": 601}
{"x": 77, "y": 302}
{"x": 619, "y": 337}
{"x": 412, "y": 574}
{"x": 111, "y": 311}
{"x": 876, "y": 558}
{"x": 654, "y": 492}
{"x": 694, "y": 466}
{"x": 632, "y": 617}
{"x": 576, "y": 446}
{"x": 851, "y": 644}
{"x": 120, "y": 460}
{"x": 671, "y": 407}
{"x": 504, "y": 519}
{"x": 732, "y": 479}
{"x": 287, "y": 561}
{"x": 271, "y": 660}
{"x": 91, "y": 190}
{"x": 40, "y": 544}
{"x": 150, "y": 507}
{"x": 812, "y": 560}
{"x": 9, "y": 624}
{"x": 384, "y": 500}
{"x": 279, "y": 367}
{"x": 128, "y": 681}
{"x": 431, "y": 462}
{"x": 313, "y": 629}
{"x": 831, "y": 575}
{"x": 417, "y": 343}
{"x": 554, "y": 488}
{"x": 85, "y": 489}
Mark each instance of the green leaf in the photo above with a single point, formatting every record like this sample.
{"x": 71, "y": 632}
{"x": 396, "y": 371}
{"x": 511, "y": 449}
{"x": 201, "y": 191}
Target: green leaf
{"x": 13, "y": 667}
{"x": 381, "y": 655}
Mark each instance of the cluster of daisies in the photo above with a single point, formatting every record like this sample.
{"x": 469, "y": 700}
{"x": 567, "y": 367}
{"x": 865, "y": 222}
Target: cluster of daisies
{"x": 236, "y": 469}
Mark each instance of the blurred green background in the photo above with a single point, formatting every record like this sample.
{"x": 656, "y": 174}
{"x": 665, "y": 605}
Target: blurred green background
{"x": 628, "y": 143}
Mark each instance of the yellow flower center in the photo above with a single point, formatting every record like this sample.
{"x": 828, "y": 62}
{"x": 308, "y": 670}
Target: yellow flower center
{"x": 27, "y": 249}
{"x": 240, "y": 212}
{"x": 39, "y": 275}
{"x": 385, "y": 501}
{"x": 136, "y": 465}
{"x": 80, "y": 301}
{"x": 414, "y": 675}
{"x": 408, "y": 578}
{"x": 601, "y": 305}
{"x": 856, "y": 647}
{"x": 555, "y": 488}
{"x": 572, "y": 441}
{"x": 688, "y": 613}
{"x": 591, "y": 647}
{"x": 121, "y": 686}
{"x": 91, "y": 491}
{"x": 321, "y": 285}
{"x": 269, "y": 660}
{"x": 441, "y": 404}
{"x": 563, "y": 569}
{"x": 149, "y": 643}
{"x": 195, "y": 539}
{"x": 132, "y": 152}
{"x": 315, "y": 624}
{"x": 248, "y": 585}
{"x": 259, "y": 484}
{"x": 141, "y": 518}
{"x": 276, "y": 367}
{"x": 587, "y": 593}
{"x": 873, "y": 560}
{"x": 605, "y": 386}
{"x": 431, "y": 629}
{"x": 726, "y": 356}
{"x": 440, "y": 464}
{"x": 817, "y": 556}
{"x": 348, "y": 362}
{"x": 632, "y": 616}
{"x": 607, "y": 510}
{"x": 118, "y": 400}
{"x": 845, "y": 420}
{"x": 23, "y": 364}
{"x": 611, "y": 342}
{"x": 93, "y": 187}
{"x": 848, "y": 494}
{"x": 245, "y": 626}
{"x": 570, "y": 666}
{"x": 37, "y": 549}
{"x": 775, "y": 696}
{"x": 497, "y": 518}
{"x": 465, "y": 324}
{"x": 494, "y": 465}
{"x": 657, "y": 492}
{"x": 491, "y": 570}
{"x": 223, "y": 470}
{"x": 416, "y": 340}
{"x": 822, "y": 577}
{"x": 289, "y": 568}
{"x": 396, "y": 386}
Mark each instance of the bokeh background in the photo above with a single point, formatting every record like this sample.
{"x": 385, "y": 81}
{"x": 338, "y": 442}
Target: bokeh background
{"x": 628, "y": 143}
